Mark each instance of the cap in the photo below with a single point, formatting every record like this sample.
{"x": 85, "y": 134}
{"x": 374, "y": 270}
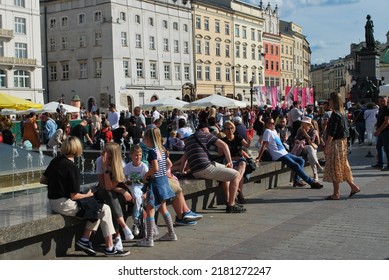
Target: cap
{"x": 237, "y": 119}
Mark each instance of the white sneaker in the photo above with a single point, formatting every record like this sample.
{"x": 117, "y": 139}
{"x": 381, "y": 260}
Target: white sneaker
{"x": 128, "y": 234}
{"x": 168, "y": 237}
{"x": 118, "y": 244}
{"x": 135, "y": 230}
{"x": 145, "y": 243}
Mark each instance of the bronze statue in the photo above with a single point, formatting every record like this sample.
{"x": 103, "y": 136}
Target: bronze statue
{"x": 369, "y": 36}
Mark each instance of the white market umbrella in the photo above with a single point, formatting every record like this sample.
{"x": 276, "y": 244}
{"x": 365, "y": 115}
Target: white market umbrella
{"x": 216, "y": 100}
{"x": 52, "y": 108}
{"x": 384, "y": 90}
{"x": 167, "y": 103}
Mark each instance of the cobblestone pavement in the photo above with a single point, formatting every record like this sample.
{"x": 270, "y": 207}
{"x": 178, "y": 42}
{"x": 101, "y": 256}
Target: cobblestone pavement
{"x": 289, "y": 223}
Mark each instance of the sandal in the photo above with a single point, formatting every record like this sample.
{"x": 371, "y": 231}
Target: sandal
{"x": 353, "y": 193}
{"x": 330, "y": 198}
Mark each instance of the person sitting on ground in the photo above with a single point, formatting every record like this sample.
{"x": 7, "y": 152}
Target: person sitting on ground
{"x": 62, "y": 178}
{"x": 202, "y": 166}
{"x": 272, "y": 142}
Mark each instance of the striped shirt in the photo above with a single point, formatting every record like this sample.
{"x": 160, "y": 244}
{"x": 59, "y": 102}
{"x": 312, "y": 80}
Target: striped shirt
{"x": 197, "y": 158}
{"x": 161, "y": 159}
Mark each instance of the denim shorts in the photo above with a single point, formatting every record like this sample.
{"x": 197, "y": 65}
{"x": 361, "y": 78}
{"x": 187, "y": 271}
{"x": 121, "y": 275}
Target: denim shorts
{"x": 159, "y": 190}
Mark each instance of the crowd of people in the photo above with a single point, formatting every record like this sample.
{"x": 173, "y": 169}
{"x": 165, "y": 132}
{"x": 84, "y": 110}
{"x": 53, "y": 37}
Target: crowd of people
{"x": 149, "y": 180}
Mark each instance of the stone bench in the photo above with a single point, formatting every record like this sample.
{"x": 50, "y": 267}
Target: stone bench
{"x": 47, "y": 235}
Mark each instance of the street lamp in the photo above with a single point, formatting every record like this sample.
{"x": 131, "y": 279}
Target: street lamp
{"x": 251, "y": 93}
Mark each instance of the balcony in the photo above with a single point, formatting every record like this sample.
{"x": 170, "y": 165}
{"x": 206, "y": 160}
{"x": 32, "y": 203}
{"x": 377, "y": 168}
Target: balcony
{"x": 6, "y": 33}
{"x": 15, "y": 61}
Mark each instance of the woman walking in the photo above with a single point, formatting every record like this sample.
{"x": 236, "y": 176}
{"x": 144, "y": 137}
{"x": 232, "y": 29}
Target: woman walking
{"x": 337, "y": 168}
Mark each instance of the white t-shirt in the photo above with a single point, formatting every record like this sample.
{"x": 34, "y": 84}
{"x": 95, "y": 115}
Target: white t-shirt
{"x": 275, "y": 147}
{"x": 113, "y": 118}
{"x": 156, "y": 115}
{"x": 136, "y": 173}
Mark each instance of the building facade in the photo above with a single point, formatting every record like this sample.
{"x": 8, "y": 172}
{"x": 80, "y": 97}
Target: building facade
{"x": 124, "y": 53}
{"x": 20, "y": 50}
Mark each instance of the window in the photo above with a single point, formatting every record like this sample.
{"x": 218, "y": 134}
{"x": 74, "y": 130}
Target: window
{"x": 97, "y": 16}
{"x": 198, "y": 46}
{"x": 138, "y": 41}
{"x": 185, "y": 27}
{"x": 97, "y": 38}
{"x": 198, "y": 23}
{"x": 244, "y": 33}
{"x": 237, "y": 31}
{"x": 64, "y": 43}
{"x": 227, "y": 50}
{"x": 20, "y": 25}
{"x": 65, "y": 70}
{"x": 153, "y": 70}
{"x": 53, "y": 44}
{"x": 64, "y": 21}
{"x": 199, "y": 72}
{"x": 81, "y": 18}
{"x": 177, "y": 72}
{"x": 267, "y": 65}
{"x": 272, "y": 49}
{"x": 218, "y": 74}
{"x": 272, "y": 65}
{"x": 259, "y": 36}
{"x": 228, "y": 74}
{"x": 175, "y": 26}
{"x": 206, "y": 24}
{"x": 98, "y": 68}
{"x": 166, "y": 44}
{"x": 1, "y": 48}
{"x": 277, "y": 50}
{"x": 151, "y": 21}
{"x": 207, "y": 47}
{"x": 217, "y": 49}
{"x": 186, "y": 73}
{"x": 53, "y": 72}
{"x": 166, "y": 71}
{"x": 252, "y": 34}
{"x": 186, "y": 47}
{"x": 207, "y": 73}
{"x": 21, "y": 79}
{"x": 82, "y": 41}
{"x": 237, "y": 76}
{"x": 122, "y": 16}
{"x": 126, "y": 68}
{"x": 152, "y": 43}
{"x": 83, "y": 69}
{"x": 20, "y": 3}
{"x": 123, "y": 39}
{"x": 253, "y": 53}
{"x": 244, "y": 52}
{"x": 3, "y": 78}
{"x": 277, "y": 66}
{"x": 176, "y": 46}
{"x": 237, "y": 51}
{"x": 245, "y": 79}
{"x": 164, "y": 24}
{"x": 217, "y": 26}
{"x": 52, "y": 23}
{"x": 139, "y": 69}
{"x": 20, "y": 50}
{"x": 227, "y": 28}
{"x": 137, "y": 18}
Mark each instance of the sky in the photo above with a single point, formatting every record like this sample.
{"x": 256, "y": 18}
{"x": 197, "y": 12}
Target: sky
{"x": 330, "y": 26}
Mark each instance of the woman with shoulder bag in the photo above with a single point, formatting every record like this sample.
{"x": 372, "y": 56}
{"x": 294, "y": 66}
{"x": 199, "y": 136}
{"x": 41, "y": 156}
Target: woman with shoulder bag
{"x": 337, "y": 168}
{"x": 310, "y": 136}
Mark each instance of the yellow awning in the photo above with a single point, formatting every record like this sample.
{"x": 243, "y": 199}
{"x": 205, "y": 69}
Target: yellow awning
{"x": 16, "y": 103}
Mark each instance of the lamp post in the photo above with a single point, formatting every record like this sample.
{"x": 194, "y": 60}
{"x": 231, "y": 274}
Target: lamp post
{"x": 251, "y": 93}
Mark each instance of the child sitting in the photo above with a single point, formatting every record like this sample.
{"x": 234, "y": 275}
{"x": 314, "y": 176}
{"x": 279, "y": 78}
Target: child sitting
{"x": 175, "y": 143}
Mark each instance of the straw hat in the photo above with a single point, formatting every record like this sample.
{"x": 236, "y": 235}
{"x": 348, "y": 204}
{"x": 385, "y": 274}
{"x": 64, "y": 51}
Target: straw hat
{"x": 307, "y": 120}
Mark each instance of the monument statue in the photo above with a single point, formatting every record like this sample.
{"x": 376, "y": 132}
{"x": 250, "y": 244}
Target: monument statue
{"x": 369, "y": 36}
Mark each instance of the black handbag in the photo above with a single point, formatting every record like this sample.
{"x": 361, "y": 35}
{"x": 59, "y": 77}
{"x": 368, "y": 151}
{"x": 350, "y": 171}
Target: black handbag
{"x": 251, "y": 166}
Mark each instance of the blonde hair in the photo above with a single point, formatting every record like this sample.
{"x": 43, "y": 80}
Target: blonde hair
{"x": 230, "y": 123}
{"x": 116, "y": 160}
{"x": 153, "y": 135}
{"x": 71, "y": 146}
{"x": 173, "y": 133}
{"x": 135, "y": 149}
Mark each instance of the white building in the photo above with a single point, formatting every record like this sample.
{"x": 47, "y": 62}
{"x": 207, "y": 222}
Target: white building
{"x": 20, "y": 49}
{"x": 125, "y": 52}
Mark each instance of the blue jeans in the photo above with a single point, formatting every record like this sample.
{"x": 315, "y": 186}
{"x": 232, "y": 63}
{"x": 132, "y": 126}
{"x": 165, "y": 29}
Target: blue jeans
{"x": 360, "y": 127}
{"x": 296, "y": 163}
{"x": 382, "y": 147}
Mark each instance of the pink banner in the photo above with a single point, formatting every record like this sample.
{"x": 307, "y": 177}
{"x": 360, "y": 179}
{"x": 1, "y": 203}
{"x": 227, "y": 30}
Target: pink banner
{"x": 304, "y": 97}
{"x": 274, "y": 96}
{"x": 311, "y": 95}
{"x": 296, "y": 94}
